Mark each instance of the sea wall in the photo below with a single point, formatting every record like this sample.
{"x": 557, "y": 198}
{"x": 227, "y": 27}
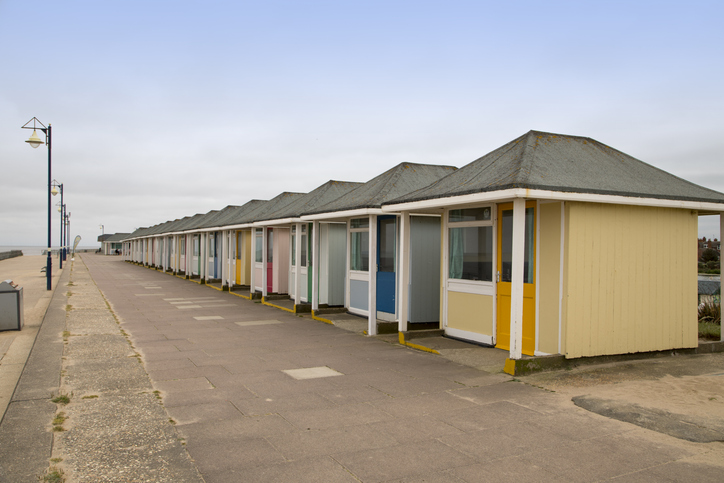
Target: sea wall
{"x": 11, "y": 254}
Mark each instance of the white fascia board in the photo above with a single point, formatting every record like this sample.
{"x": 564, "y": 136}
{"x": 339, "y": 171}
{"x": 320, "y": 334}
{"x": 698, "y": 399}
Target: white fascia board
{"x": 344, "y": 214}
{"x": 491, "y": 196}
{"x": 281, "y": 221}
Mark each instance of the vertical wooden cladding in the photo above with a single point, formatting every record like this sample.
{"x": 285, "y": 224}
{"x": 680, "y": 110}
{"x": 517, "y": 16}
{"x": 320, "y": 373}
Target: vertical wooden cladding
{"x": 549, "y": 277}
{"x": 630, "y": 278}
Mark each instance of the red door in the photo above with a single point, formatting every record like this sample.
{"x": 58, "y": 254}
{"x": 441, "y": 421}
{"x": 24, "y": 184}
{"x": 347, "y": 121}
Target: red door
{"x": 269, "y": 260}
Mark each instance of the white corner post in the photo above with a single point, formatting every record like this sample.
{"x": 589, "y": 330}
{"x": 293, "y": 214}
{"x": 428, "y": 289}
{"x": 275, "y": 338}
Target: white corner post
{"x": 252, "y": 259}
{"x": 298, "y": 264}
{"x": 403, "y": 272}
{"x": 230, "y": 264}
{"x": 224, "y": 258}
{"x": 315, "y": 267}
{"x": 372, "y": 284}
{"x": 516, "y": 289}
{"x": 264, "y": 254}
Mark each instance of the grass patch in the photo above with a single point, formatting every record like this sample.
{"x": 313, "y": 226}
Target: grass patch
{"x": 68, "y": 308}
{"x": 54, "y": 475}
{"x": 59, "y": 418}
{"x": 709, "y": 331}
{"x": 93, "y": 396}
{"x": 62, "y": 399}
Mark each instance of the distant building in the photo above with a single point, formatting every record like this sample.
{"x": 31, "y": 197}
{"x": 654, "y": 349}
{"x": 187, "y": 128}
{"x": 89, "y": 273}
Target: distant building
{"x": 704, "y": 244}
{"x": 112, "y": 242}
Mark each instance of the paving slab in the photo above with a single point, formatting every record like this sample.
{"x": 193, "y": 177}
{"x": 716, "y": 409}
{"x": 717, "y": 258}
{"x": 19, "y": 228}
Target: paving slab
{"x": 394, "y": 413}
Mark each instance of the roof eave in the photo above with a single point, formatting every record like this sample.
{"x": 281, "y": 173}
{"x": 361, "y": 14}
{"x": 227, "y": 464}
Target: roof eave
{"x": 343, "y": 214}
{"x": 491, "y": 196}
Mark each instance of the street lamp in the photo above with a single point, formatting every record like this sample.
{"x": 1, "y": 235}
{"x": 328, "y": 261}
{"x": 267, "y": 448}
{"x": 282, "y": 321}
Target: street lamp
{"x": 35, "y": 141}
{"x": 67, "y": 230}
{"x": 54, "y": 192}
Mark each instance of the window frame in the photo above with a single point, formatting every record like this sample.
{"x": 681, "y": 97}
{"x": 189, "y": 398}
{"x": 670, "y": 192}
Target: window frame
{"x": 463, "y": 284}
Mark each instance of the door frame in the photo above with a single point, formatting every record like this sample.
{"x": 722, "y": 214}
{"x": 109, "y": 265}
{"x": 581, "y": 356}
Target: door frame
{"x": 504, "y": 289}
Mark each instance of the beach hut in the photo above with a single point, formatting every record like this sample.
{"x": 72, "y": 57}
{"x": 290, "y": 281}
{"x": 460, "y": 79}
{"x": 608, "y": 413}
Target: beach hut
{"x": 298, "y": 263}
{"x": 372, "y": 240}
{"x": 557, "y": 244}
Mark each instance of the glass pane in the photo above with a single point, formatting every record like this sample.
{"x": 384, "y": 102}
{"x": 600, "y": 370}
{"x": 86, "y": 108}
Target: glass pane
{"x": 238, "y": 245}
{"x": 507, "y": 246}
{"x": 506, "y": 249}
{"x": 360, "y": 251}
{"x": 471, "y": 253}
{"x": 470, "y": 214}
{"x": 294, "y": 248}
{"x": 360, "y": 223}
{"x": 270, "y": 246}
{"x": 259, "y": 248}
{"x": 387, "y": 245}
{"x": 304, "y": 249}
{"x": 529, "y": 267}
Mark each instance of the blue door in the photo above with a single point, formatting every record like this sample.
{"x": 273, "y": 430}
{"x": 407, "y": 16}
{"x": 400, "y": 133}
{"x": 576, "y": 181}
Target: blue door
{"x": 386, "y": 262}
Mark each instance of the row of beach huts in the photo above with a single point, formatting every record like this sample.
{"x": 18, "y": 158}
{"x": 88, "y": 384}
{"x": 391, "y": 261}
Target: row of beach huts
{"x": 550, "y": 244}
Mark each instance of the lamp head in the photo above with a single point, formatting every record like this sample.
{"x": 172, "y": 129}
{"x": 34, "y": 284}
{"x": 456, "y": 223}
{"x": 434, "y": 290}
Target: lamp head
{"x": 34, "y": 140}
{"x": 54, "y": 191}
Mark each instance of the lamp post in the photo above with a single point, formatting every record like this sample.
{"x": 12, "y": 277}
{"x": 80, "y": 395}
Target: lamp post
{"x": 65, "y": 233}
{"x": 103, "y": 233}
{"x": 54, "y": 192}
{"x": 67, "y": 230}
{"x": 35, "y": 141}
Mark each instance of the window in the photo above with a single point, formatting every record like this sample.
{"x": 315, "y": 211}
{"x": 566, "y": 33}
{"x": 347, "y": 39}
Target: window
{"x": 470, "y": 240}
{"x": 182, "y": 241}
{"x": 196, "y": 246}
{"x": 360, "y": 245}
{"x": 258, "y": 245}
{"x": 304, "y": 245}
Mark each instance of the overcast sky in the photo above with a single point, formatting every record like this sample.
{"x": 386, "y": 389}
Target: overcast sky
{"x": 163, "y": 109}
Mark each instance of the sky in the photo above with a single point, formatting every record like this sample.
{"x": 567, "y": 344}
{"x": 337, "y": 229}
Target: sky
{"x": 165, "y": 109}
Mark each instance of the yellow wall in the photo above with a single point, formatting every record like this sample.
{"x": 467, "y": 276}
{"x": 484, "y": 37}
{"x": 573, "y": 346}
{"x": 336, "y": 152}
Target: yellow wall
{"x": 630, "y": 279}
{"x": 549, "y": 277}
{"x": 470, "y": 312}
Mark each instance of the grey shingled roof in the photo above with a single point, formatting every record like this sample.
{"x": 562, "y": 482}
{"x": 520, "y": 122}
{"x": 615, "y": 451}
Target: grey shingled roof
{"x": 231, "y": 213}
{"x": 329, "y": 191}
{"x": 116, "y": 237}
{"x": 556, "y": 162}
{"x": 213, "y": 219}
{"x": 393, "y": 183}
{"x": 263, "y": 208}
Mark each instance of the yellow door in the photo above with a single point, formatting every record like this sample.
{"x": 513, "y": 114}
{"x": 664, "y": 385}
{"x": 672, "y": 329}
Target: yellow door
{"x": 504, "y": 266}
{"x": 239, "y": 255}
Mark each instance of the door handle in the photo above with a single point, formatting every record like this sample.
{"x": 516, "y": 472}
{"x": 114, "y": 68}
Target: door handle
{"x": 498, "y": 276}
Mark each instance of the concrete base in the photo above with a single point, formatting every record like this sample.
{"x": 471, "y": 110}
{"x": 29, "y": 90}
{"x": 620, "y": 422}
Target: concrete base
{"x": 528, "y": 365}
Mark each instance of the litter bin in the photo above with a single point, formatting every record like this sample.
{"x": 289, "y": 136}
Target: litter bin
{"x": 11, "y": 306}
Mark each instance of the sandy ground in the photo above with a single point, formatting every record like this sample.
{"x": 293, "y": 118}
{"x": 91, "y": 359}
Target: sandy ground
{"x": 16, "y": 345}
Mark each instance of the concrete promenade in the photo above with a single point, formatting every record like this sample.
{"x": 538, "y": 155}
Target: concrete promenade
{"x": 169, "y": 380}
